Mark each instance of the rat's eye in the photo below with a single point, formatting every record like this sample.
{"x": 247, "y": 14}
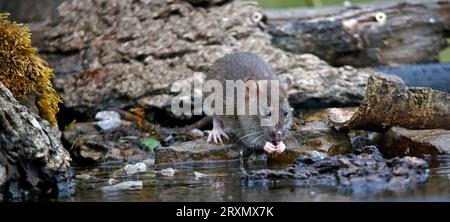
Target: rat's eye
{"x": 286, "y": 113}
{"x": 267, "y": 112}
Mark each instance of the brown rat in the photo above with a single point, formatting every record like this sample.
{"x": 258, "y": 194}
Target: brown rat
{"x": 248, "y": 128}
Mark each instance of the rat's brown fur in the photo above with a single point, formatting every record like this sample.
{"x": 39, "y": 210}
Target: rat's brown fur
{"x": 245, "y": 66}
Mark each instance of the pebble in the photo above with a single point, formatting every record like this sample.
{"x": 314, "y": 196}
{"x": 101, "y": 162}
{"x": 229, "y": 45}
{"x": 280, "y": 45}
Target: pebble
{"x": 124, "y": 186}
{"x": 168, "y": 172}
{"x": 131, "y": 169}
{"x": 108, "y": 120}
{"x": 316, "y": 156}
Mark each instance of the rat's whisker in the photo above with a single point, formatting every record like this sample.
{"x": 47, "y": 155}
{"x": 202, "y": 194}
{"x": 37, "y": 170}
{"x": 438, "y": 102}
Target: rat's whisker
{"x": 250, "y": 134}
{"x": 257, "y": 138}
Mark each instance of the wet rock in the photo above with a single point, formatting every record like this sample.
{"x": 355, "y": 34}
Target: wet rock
{"x": 199, "y": 175}
{"x": 131, "y": 169}
{"x": 112, "y": 181}
{"x": 196, "y": 151}
{"x": 388, "y": 102}
{"x": 399, "y": 141}
{"x": 168, "y": 172}
{"x": 2, "y": 175}
{"x": 362, "y": 172}
{"x": 196, "y": 133}
{"x": 320, "y": 137}
{"x": 124, "y": 186}
{"x": 316, "y": 156}
{"x": 122, "y": 143}
{"x": 108, "y": 120}
{"x": 149, "y": 162}
{"x": 31, "y": 150}
{"x": 84, "y": 177}
{"x": 128, "y": 53}
{"x": 311, "y": 139}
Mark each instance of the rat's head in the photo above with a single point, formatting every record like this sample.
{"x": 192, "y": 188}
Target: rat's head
{"x": 274, "y": 115}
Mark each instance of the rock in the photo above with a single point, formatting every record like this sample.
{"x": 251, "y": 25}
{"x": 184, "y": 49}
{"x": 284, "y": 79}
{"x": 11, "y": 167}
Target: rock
{"x": 168, "y": 172}
{"x": 124, "y": 186}
{"x": 199, "y": 175}
{"x": 108, "y": 120}
{"x": 2, "y": 175}
{"x": 149, "y": 162}
{"x": 130, "y": 169}
{"x": 84, "y": 177}
{"x": 128, "y": 53}
{"x": 196, "y": 133}
{"x": 196, "y": 151}
{"x": 320, "y": 137}
{"x": 112, "y": 181}
{"x": 32, "y": 153}
{"x": 388, "y": 102}
{"x": 316, "y": 156}
{"x": 399, "y": 141}
{"x": 362, "y": 172}
{"x": 312, "y": 139}
{"x": 122, "y": 143}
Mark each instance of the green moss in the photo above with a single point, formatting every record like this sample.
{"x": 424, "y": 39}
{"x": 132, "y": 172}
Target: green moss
{"x": 22, "y": 71}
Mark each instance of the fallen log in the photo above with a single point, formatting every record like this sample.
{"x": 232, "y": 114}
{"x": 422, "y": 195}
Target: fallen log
{"x": 388, "y": 102}
{"x": 387, "y": 34}
{"x": 435, "y": 76}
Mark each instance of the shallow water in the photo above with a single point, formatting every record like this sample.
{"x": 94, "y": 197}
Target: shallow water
{"x": 222, "y": 182}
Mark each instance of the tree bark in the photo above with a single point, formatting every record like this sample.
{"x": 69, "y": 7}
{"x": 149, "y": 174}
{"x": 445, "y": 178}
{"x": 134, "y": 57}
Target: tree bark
{"x": 388, "y": 34}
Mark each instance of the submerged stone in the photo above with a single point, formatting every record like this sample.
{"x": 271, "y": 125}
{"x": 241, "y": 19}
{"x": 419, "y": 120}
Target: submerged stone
{"x": 196, "y": 151}
{"x": 124, "y": 186}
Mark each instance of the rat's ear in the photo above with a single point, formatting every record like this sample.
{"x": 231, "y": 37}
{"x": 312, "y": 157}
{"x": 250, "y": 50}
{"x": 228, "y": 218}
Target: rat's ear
{"x": 252, "y": 86}
{"x": 286, "y": 84}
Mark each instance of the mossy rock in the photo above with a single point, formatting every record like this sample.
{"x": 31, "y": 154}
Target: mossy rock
{"x": 23, "y": 72}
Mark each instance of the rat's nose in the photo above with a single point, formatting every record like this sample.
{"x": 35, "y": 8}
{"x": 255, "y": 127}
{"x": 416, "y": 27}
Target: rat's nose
{"x": 278, "y": 135}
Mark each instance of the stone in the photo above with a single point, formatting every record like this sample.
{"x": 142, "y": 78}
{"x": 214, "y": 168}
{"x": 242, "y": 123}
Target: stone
{"x": 320, "y": 137}
{"x": 131, "y": 169}
{"x": 399, "y": 141}
{"x": 362, "y": 172}
{"x": 196, "y": 151}
{"x": 389, "y": 102}
{"x": 123, "y": 186}
{"x": 149, "y": 162}
{"x": 108, "y": 120}
{"x": 2, "y": 175}
{"x": 168, "y": 172}
{"x": 28, "y": 139}
{"x": 199, "y": 175}
{"x": 121, "y": 143}
{"x": 84, "y": 177}
{"x": 316, "y": 156}
{"x": 196, "y": 133}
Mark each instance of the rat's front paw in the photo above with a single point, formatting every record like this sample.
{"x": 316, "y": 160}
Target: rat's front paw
{"x": 280, "y": 147}
{"x": 216, "y": 135}
{"x": 269, "y": 148}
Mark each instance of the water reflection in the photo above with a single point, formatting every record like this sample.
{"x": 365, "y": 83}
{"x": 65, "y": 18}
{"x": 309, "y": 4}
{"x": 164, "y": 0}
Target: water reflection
{"x": 223, "y": 183}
